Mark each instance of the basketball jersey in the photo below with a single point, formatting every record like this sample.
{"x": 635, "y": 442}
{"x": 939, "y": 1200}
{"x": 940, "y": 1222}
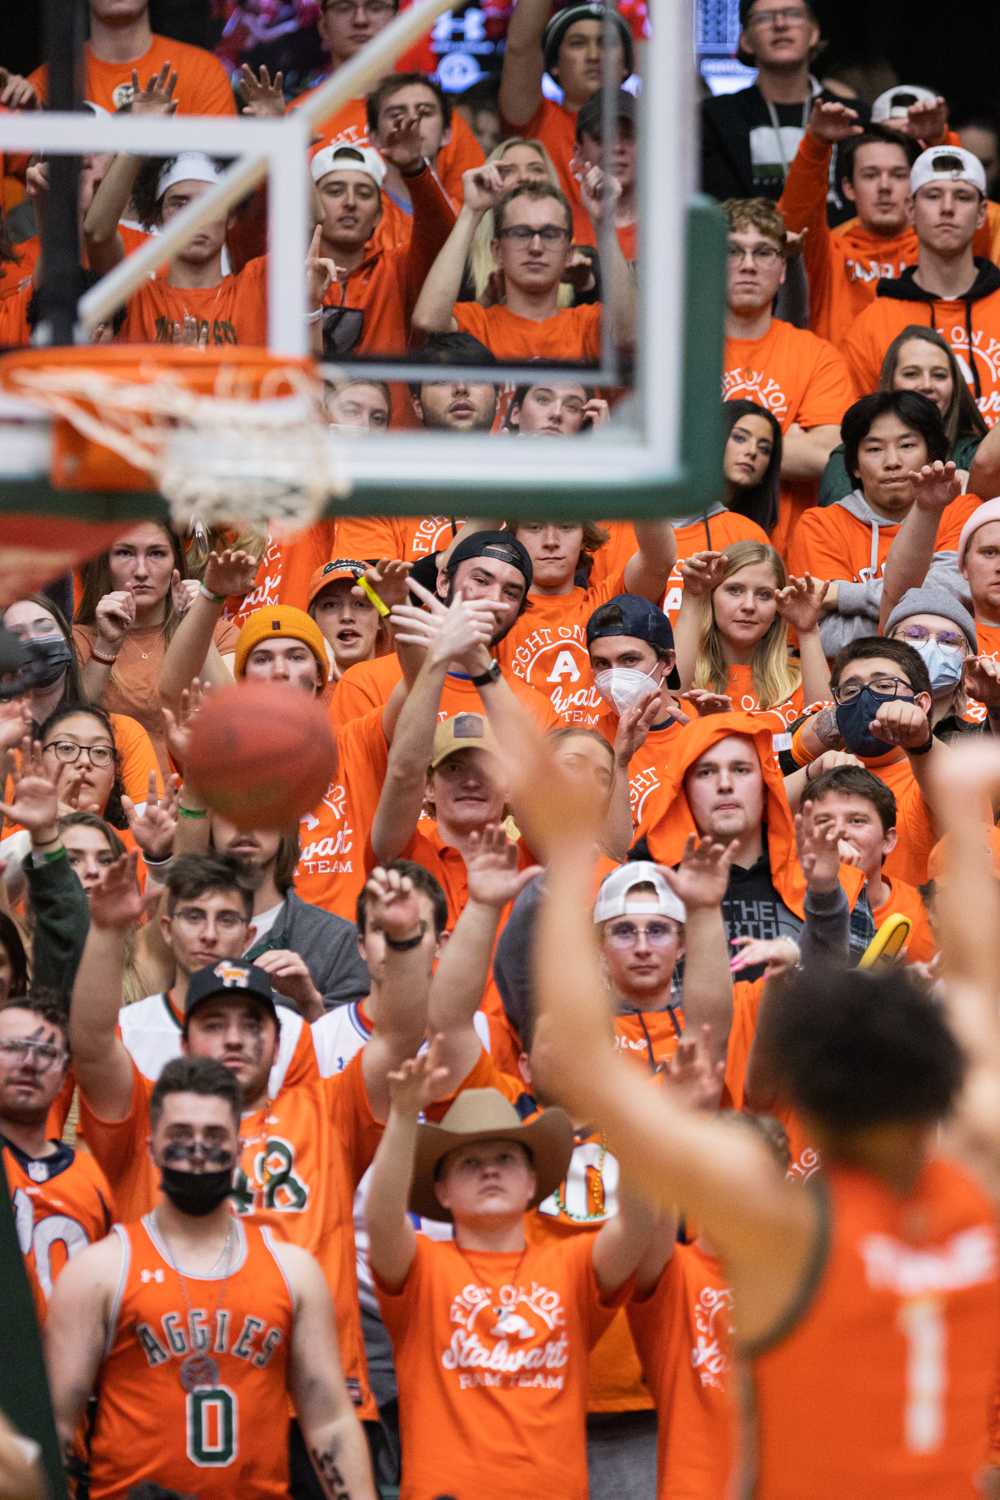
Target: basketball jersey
{"x": 227, "y": 1437}
{"x": 62, "y": 1204}
{"x": 881, "y": 1385}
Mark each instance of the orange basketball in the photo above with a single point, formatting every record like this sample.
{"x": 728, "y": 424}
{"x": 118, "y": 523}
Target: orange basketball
{"x": 261, "y": 754}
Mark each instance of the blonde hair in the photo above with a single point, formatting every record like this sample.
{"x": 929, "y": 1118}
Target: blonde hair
{"x": 774, "y": 677}
{"x": 481, "y": 264}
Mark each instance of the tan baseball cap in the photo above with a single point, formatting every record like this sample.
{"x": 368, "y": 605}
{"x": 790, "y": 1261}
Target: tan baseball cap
{"x": 463, "y": 732}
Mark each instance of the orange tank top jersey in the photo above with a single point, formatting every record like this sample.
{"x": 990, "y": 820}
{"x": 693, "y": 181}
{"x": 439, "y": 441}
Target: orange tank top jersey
{"x": 62, "y": 1203}
{"x": 491, "y": 1357}
{"x": 231, "y": 1331}
{"x": 303, "y": 1155}
{"x": 881, "y": 1384}
{"x": 202, "y": 83}
{"x": 369, "y": 685}
{"x": 547, "y": 649}
{"x": 234, "y": 311}
{"x": 284, "y": 572}
{"x": 708, "y": 533}
{"x": 907, "y": 901}
{"x": 369, "y": 538}
{"x": 683, "y": 1333}
{"x": 572, "y": 335}
{"x": 333, "y": 835}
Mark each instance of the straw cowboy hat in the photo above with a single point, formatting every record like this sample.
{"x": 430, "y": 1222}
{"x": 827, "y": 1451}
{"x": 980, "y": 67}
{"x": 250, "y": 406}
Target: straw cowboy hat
{"x": 485, "y": 1115}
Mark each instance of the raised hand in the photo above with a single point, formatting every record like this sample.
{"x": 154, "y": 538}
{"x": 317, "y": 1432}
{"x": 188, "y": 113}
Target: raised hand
{"x": 903, "y": 723}
{"x": 702, "y": 572}
{"x": 702, "y": 878}
{"x": 599, "y": 194}
{"x": 401, "y": 145}
{"x": 800, "y": 602}
{"x": 416, "y": 1084}
{"x": 578, "y": 271}
{"x": 183, "y": 593}
{"x": 116, "y": 902}
{"x": 816, "y": 846}
{"x": 691, "y": 1075}
{"x": 935, "y": 485}
{"x": 981, "y": 679}
{"x": 482, "y": 188}
{"x": 389, "y": 578}
{"x": 445, "y": 630}
{"x": 634, "y": 725}
{"x": 113, "y": 619}
{"x": 778, "y": 955}
{"x": 157, "y": 98}
{"x": 928, "y": 122}
{"x": 397, "y": 906}
{"x": 491, "y": 865}
{"x": 35, "y": 802}
{"x": 190, "y": 332}
{"x": 832, "y": 122}
{"x": 706, "y": 702}
{"x": 321, "y": 272}
{"x": 178, "y": 727}
{"x": 597, "y": 411}
{"x": 230, "y": 573}
{"x": 16, "y": 92}
{"x": 15, "y": 722}
{"x": 36, "y": 181}
{"x": 260, "y": 94}
{"x": 155, "y": 826}
{"x": 290, "y": 974}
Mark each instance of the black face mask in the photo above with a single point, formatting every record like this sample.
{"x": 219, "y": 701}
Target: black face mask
{"x": 47, "y": 661}
{"x": 853, "y": 719}
{"x": 196, "y": 1193}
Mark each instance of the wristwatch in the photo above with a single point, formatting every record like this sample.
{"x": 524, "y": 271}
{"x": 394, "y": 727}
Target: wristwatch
{"x": 492, "y": 674}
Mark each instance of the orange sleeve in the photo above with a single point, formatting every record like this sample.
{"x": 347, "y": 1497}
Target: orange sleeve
{"x": 864, "y": 349}
{"x": 955, "y": 516}
{"x": 747, "y": 997}
{"x": 803, "y": 207}
{"x": 367, "y": 538}
{"x": 471, "y": 318}
{"x": 818, "y": 547}
{"x": 120, "y": 1149}
{"x": 138, "y": 758}
{"x": 433, "y": 221}
{"x": 351, "y": 1118}
{"x": 829, "y": 392}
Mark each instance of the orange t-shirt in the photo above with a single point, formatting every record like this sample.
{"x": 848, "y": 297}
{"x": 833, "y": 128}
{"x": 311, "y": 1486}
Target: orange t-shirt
{"x": 907, "y": 901}
{"x": 988, "y": 642}
{"x": 873, "y": 330}
{"x": 682, "y": 1331}
{"x": 62, "y": 1204}
{"x": 706, "y": 533}
{"x": 741, "y": 689}
{"x": 800, "y": 379}
{"x": 908, "y": 1294}
{"x": 148, "y": 1427}
{"x": 369, "y": 684}
{"x": 333, "y": 836}
{"x": 555, "y": 126}
{"x": 832, "y": 543}
{"x": 547, "y": 649}
{"x": 202, "y": 82}
{"x": 14, "y": 274}
{"x": 303, "y": 1154}
{"x": 646, "y": 769}
{"x": 284, "y": 572}
{"x": 447, "y": 865}
{"x": 407, "y": 537}
{"x": 572, "y": 335}
{"x": 233, "y": 311}
{"x": 14, "y": 330}
{"x": 615, "y": 553}
{"x": 491, "y": 1357}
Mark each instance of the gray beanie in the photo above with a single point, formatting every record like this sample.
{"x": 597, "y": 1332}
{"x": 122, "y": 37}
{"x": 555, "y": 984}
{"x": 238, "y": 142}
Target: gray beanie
{"x": 933, "y": 599}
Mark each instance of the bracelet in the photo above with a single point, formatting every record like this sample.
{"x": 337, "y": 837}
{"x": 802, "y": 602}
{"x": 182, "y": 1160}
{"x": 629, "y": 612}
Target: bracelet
{"x": 315, "y": 315}
{"x": 404, "y": 945}
{"x": 47, "y": 843}
{"x": 158, "y": 864}
{"x": 105, "y": 661}
{"x": 48, "y": 856}
{"x": 192, "y": 812}
{"x": 923, "y": 749}
{"x": 422, "y": 168}
{"x": 207, "y": 594}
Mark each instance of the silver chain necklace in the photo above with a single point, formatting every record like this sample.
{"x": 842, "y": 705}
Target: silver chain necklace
{"x": 199, "y": 1369}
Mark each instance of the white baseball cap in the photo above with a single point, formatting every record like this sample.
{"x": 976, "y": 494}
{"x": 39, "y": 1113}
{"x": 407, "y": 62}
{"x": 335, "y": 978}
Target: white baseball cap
{"x": 895, "y": 103}
{"x": 189, "y": 166}
{"x": 348, "y": 158}
{"x": 947, "y": 164}
{"x": 619, "y": 885}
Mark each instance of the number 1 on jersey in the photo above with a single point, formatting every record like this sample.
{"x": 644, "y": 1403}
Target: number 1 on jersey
{"x": 926, "y": 1337}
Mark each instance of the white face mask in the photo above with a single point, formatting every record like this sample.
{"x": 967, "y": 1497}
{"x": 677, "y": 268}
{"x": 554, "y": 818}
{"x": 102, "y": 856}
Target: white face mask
{"x": 623, "y": 686}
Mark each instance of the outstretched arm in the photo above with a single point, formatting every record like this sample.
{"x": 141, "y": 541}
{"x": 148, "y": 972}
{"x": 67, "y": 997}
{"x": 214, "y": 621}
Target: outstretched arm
{"x": 401, "y": 1015}
{"x": 648, "y": 570}
{"x": 701, "y": 881}
{"x": 912, "y": 552}
{"x": 702, "y": 573}
{"x": 392, "y": 1238}
{"x": 523, "y": 64}
{"x": 800, "y": 604}
{"x": 481, "y": 189}
{"x": 600, "y": 193}
{"x": 191, "y": 650}
{"x": 100, "y": 226}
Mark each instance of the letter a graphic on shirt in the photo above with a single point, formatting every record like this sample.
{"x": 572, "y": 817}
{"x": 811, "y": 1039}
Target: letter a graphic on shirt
{"x": 565, "y": 665}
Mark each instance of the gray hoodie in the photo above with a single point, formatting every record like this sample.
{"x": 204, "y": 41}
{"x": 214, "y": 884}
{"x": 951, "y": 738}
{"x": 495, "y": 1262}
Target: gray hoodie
{"x": 859, "y": 604}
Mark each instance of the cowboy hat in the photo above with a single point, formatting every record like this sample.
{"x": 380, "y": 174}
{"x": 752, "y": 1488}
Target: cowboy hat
{"x": 485, "y": 1115}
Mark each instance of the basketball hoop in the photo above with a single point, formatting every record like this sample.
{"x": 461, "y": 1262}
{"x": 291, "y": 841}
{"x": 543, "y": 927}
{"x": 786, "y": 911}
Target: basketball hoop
{"x": 229, "y": 436}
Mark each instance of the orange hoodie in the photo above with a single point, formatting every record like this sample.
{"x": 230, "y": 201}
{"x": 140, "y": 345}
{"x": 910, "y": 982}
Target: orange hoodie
{"x": 671, "y": 820}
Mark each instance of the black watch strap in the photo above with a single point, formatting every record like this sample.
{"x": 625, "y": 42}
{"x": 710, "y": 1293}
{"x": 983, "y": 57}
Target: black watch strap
{"x": 492, "y": 674}
{"x": 404, "y": 945}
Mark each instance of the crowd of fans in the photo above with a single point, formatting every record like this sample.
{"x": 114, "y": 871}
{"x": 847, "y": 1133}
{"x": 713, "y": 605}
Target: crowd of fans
{"x": 489, "y": 1113}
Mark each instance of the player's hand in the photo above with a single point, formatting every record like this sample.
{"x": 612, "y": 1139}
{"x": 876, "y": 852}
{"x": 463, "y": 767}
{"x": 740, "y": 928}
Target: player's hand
{"x": 702, "y": 878}
{"x": 491, "y": 866}
{"x": 800, "y": 602}
{"x": 290, "y": 975}
{"x": 16, "y": 92}
{"x": 981, "y": 680}
{"x": 778, "y": 955}
{"x": 113, "y": 619}
{"x": 935, "y": 486}
{"x": 260, "y": 94}
{"x": 157, "y": 98}
{"x": 901, "y": 722}
{"x": 832, "y": 123}
{"x": 417, "y": 1083}
{"x": 401, "y": 145}
{"x": 397, "y": 906}
{"x": 230, "y": 573}
{"x": 154, "y": 825}
{"x": 702, "y": 573}
{"x": 634, "y": 726}
{"x": 116, "y": 902}
{"x": 178, "y": 726}
{"x": 35, "y": 800}
{"x": 816, "y": 846}
{"x": 482, "y": 188}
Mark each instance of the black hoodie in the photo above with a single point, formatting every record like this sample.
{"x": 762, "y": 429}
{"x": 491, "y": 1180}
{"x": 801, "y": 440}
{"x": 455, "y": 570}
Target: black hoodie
{"x": 905, "y": 288}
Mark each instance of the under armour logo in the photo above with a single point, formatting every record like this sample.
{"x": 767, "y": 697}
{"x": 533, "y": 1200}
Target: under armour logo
{"x": 156, "y": 1275}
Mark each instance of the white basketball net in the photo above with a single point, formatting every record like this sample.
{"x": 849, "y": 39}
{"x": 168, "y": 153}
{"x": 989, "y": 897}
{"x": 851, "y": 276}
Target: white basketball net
{"x": 232, "y": 458}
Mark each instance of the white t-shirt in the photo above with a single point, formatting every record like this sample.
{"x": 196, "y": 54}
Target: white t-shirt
{"x": 152, "y": 1037}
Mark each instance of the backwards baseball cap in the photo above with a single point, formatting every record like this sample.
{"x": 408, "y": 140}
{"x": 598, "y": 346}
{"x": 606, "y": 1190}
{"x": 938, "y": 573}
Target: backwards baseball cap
{"x": 894, "y": 103}
{"x": 230, "y": 976}
{"x": 981, "y": 516}
{"x": 285, "y": 622}
{"x": 189, "y": 166}
{"x": 616, "y": 888}
{"x": 590, "y": 116}
{"x": 630, "y": 614}
{"x": 947, "y": 164}
{"x": 333, "y": 572}
{"x": 462, "y": 732}
{"x": 349, "y": 159}
{"x": 560, "y": 23}
{"x": 501, "y": 545}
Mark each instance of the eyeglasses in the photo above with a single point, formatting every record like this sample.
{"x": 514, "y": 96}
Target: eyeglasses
{"x": 68, "y": 752}
{"x": 761, "y": 255}
{"x": 948, "y": 640}
{"x": 889, "y": 687}
{"x": 627, "y": 934}
{"x": 342, "y": 328}
{"x": 375, "y": 9}
{"x": 44, "y": 1053}
{"x": 791, "y": 15}
{"x": 523, "y": 234}
{"x": 196, "y": 916}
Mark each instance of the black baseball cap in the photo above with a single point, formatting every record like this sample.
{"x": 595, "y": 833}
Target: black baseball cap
{"x": 230, "y": 976}
{"x": 590, "y": 116}
{"x": 630, "y": 614}
{"x": 503, "y": 546}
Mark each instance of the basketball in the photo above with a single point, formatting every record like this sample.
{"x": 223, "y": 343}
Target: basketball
{"x": 261, "y": 754}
